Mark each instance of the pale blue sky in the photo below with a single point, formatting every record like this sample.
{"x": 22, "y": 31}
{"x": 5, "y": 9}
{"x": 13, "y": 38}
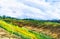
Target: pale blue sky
{"x": 36, "y": 9}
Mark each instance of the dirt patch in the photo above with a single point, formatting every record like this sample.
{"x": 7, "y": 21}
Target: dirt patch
{"x": 6, "y": 35}
{"x": 52, "y": 31}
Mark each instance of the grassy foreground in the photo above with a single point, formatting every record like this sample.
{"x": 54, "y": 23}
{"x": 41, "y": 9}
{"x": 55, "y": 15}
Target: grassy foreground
{"x": 22, "y": 32}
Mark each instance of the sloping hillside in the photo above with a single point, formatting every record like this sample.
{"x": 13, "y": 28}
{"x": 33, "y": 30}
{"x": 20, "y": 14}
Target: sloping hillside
{"x": 51, "y": 28}
{"x": 47, "y": 27}
{"x": 22, "y": 32}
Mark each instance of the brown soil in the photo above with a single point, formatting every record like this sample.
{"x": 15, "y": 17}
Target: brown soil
{"x": 6, "y": 35}
{"x": 52, "y": 31}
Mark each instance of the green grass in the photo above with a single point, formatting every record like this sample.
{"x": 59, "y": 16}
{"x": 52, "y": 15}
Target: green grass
{"x": 22, "y": 32}
{"x": 34, "y": 23}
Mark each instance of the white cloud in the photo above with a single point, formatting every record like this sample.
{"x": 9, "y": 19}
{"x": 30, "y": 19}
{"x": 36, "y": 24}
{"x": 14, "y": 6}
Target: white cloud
{"x": 37, "y": 9}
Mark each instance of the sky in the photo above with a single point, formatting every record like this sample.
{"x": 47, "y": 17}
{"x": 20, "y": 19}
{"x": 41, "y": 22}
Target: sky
{"x": 35, "y": 9}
